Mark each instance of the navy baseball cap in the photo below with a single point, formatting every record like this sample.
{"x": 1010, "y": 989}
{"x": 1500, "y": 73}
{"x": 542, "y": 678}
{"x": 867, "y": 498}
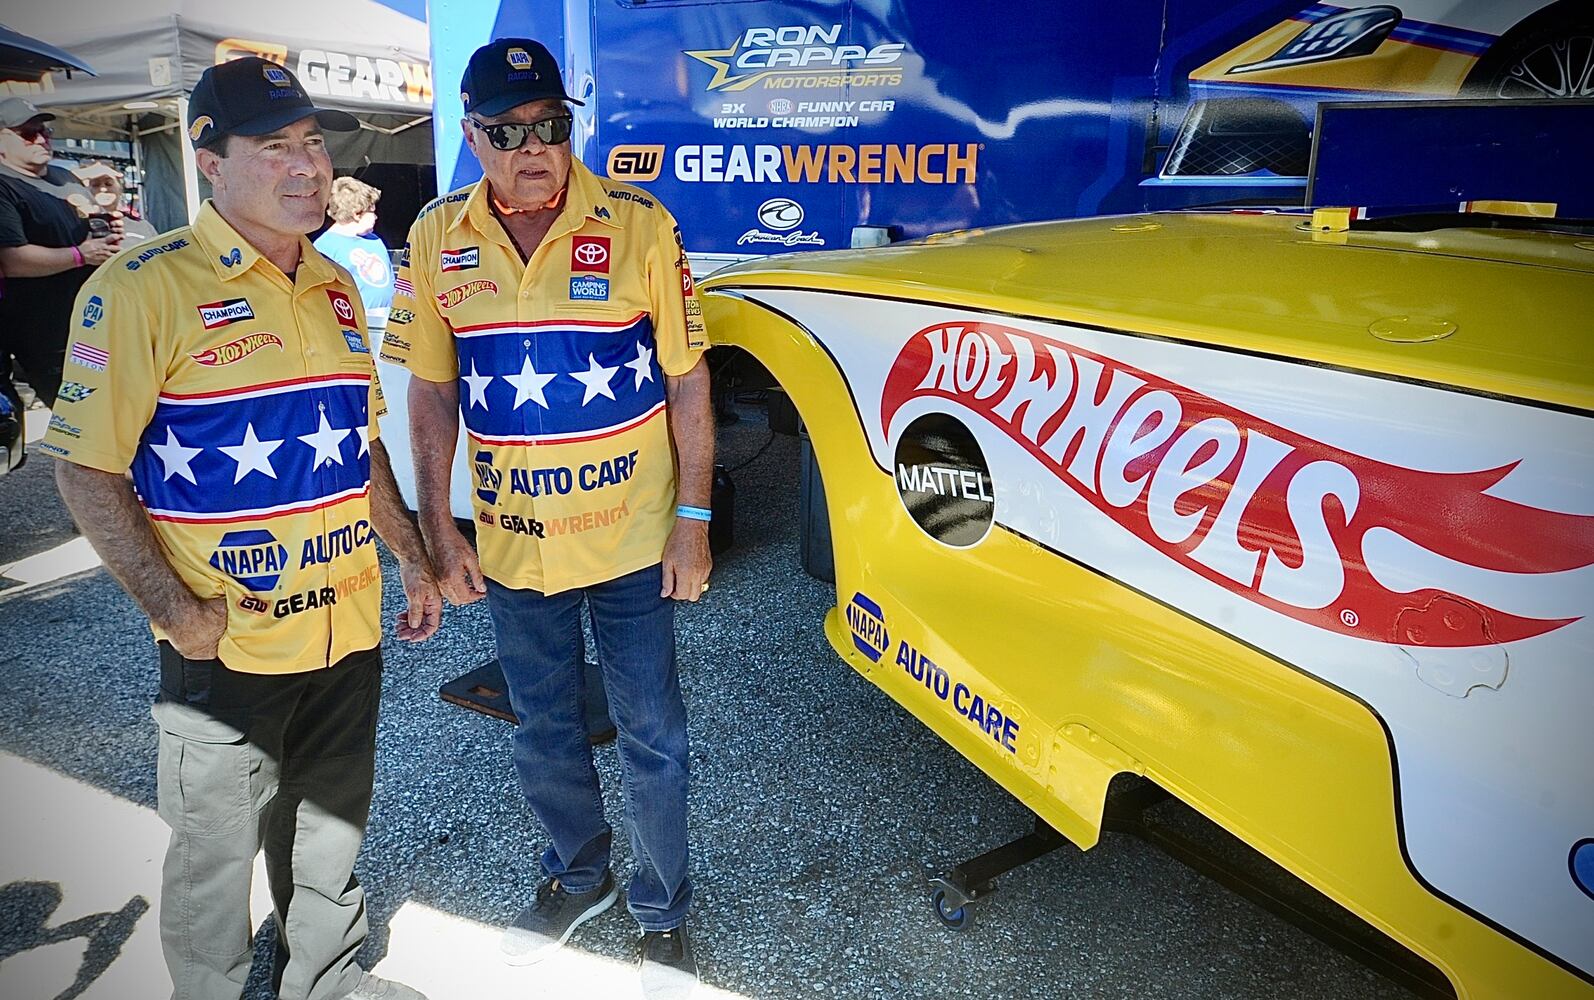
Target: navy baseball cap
{"x": 508, "y": 72}
{"x": 253, "y": 96}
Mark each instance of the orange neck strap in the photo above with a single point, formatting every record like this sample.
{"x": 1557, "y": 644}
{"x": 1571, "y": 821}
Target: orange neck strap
{"x": 557, "y": 201}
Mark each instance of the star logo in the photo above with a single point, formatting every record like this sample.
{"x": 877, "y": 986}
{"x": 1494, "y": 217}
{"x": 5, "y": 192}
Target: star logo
{"x": 175, "y": 456}
{"x": 596, "y": 378}
{"x": 252, "y": 455}
{"x": 326, "y": 441}
{"x": 477, "y": 384}
{"x": 720, "y": 61}
{"x": 642, "y": 364}
{"x": 529, "y": 385}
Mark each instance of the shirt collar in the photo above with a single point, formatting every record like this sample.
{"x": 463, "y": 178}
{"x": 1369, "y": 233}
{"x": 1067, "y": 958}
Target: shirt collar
{"x": 231, "y": 255}
{"x": 586, "y": 199}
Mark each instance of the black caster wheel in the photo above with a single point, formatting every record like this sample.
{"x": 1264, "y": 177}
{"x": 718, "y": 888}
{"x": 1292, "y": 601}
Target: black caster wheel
{"x": 960, "y": 919}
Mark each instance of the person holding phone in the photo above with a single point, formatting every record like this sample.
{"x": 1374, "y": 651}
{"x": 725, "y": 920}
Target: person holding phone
{"x": 104, "y": 182}
{"x": 47, "y": 249}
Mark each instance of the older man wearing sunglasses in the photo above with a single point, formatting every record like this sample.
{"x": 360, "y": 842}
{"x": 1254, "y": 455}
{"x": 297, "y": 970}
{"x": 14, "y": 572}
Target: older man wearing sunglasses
{"x": 555, "y": 309}
{"x": 47, "y": 247}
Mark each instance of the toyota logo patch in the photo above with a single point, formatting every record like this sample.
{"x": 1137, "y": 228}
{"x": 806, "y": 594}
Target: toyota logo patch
{"x": 590, "y": 253}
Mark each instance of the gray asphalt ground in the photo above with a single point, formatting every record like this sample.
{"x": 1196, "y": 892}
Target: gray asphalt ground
{"x": 818, "y": 805}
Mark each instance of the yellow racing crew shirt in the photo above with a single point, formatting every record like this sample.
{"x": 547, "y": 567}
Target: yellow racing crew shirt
{"x": 244, "y": 404}
{"x": 560, "y": 364}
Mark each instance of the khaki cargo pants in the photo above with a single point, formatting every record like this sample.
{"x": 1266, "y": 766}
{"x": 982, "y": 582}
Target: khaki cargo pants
{"x": 283, "y": 763}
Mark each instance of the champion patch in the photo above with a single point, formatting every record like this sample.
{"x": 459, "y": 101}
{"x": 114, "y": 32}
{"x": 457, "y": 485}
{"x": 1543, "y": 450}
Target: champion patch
{"x": 461, "y": 260}
{"x": 219, "y": 314}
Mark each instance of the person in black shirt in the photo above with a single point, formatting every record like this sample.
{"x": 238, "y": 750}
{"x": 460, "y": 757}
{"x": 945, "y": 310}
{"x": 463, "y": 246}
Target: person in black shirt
{"x": 47, "y": 249}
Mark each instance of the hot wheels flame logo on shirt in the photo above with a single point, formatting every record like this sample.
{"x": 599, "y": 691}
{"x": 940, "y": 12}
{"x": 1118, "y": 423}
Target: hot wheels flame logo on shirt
{"x": 459, "y": 293}
{"x": 1328, "y": 537}
{"x": 236, "y": 350}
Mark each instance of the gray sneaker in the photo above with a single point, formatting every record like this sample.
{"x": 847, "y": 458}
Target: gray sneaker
{"x": 669, "y": 966}
{"x": 551, "y": 918}
{"x": 375, "y": 988}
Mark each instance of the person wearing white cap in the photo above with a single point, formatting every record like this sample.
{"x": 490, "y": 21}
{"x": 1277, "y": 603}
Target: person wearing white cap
{"x": 104, "y": 182}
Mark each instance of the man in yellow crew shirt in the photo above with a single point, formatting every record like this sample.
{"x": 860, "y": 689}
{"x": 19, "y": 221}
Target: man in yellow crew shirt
{"x": 555, "y": 310}
{"x": 225, "y": 366}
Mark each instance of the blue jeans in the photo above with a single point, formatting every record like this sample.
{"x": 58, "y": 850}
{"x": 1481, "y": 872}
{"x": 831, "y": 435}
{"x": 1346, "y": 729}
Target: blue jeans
{"x": 540, "y": 648}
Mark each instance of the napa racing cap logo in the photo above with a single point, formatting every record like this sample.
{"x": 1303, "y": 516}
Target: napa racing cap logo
{"x": 800, "y": 56}
{"x": 254, "y": 558}
{"x": 518, "y": 58}
{"x": 785, "y": 217}
{"x": 868, "y": 625}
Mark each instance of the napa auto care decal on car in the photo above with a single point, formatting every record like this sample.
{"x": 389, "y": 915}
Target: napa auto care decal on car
{"x": 1299, "y": 526}
{"x": 1424, "y": 551}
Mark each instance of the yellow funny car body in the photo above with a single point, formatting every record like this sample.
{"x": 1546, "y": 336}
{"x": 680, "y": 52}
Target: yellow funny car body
{"x": 1298, "y": 525}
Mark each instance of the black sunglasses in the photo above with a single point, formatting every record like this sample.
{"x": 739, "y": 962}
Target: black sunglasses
{"x": 31, "y": 133}
{"x": 512, "y": 135}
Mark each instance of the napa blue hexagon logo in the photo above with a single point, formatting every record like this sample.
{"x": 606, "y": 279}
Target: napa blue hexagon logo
{"x": 868, "y": 625}
{"x": 1582, "y": 865}
{"x": 489, "y": 480}
{"x": 93, "y": 311}
{"x": 254, "y": 558}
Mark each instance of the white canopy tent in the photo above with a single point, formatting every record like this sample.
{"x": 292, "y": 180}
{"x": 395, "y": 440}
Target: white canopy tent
{"x": 369, "y": 57}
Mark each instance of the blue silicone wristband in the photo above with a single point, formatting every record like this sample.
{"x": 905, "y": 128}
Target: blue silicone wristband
{"x": 694, "y": 513}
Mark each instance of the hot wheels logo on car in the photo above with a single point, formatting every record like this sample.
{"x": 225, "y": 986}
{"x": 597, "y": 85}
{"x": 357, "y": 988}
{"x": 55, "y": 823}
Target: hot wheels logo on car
{"x": 1337, "y": 540}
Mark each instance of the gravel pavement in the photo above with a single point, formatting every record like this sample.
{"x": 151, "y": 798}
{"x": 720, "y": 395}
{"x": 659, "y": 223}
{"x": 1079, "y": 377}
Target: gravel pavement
{"x": 818, "y": 805}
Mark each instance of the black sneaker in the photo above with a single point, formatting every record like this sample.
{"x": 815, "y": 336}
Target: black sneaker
{"x": 551, "y": 918}
{"x": 669, "y": 968}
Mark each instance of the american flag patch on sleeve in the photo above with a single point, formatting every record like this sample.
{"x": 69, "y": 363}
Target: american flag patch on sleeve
{"x": 402, "y": 286}
{"x": 90, "y": 357}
